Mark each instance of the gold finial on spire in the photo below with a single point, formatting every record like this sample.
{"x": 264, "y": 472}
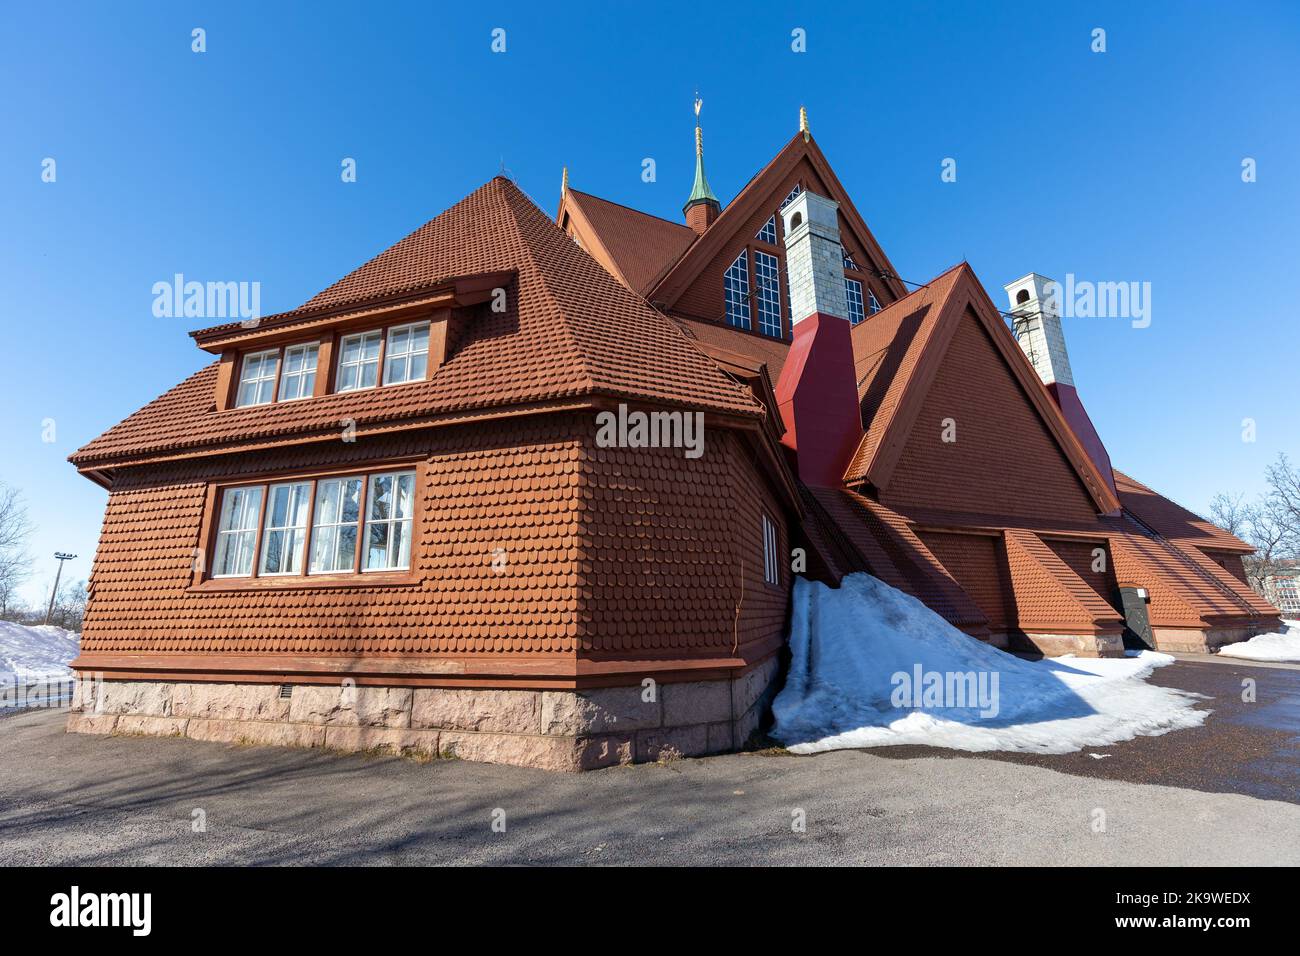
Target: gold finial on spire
{"x": 803, "y": 122}
{"x": 699, "y": 134}
{"x": 564, "y": 182}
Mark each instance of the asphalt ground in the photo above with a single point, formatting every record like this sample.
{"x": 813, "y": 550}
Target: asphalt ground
{"x": 1222, "y": 794}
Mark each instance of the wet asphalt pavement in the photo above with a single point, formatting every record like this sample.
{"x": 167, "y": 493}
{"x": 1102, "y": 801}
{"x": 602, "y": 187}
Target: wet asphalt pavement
{"x": 1222, "y": 794}
{"x": 1251, "y": 748}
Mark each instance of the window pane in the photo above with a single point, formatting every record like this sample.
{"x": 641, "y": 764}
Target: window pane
{"x": 377, "y": 554}
{"x": 419, "y": 367}
{"x": 338, "y": 510}
{"x": 735, "y": 285}
{"x": 347, "y": 551}
{"x": 405, "y": 489}
{"x": 237, "y": 531}
{"x": 398, "y": 341}
{"x": 402, "y": 532}
{"x": 381, "y": 497}
{"x": 369, "y": 374}
{"x": 767, "y": 274}
{"x": 351, "y": 499}
{"x": 395, "y": 369}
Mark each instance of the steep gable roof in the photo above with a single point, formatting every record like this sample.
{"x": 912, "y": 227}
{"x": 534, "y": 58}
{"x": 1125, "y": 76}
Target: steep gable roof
{"x": 635, "y": 246}
{"x": 759, "y": 192}
{"x": 898, "y": 352}
{"x": 569, "y": 330}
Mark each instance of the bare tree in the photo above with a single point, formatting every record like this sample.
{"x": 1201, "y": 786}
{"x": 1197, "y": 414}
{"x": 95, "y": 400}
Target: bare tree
{"x": 15, "y": 528}
{"x": 1271, "y": 524}
{"x": 69, "y": 606}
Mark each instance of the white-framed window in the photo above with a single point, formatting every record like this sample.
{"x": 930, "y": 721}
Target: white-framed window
{"x": 767, "y": 275}
{"x": 771, "y": 567}
{"x": 768, "y": 232}
{"x": 257, "y": 378}
{"x": 735, "y": 286}
{"x": 358, "y": 361}
{"x": 406, "y": 357}
{"x": 853, "y": 297}
{"x": 389, "y": 508}
{"x": 849, "y": 263}
{"x": 298, "y": 377}
{"x": 237, "y": 532}
{"x": 792, "y": 196}
{"x": 873, "y": 304}
{"x": 335, "y": 525}
{"x": 286, "y": 528}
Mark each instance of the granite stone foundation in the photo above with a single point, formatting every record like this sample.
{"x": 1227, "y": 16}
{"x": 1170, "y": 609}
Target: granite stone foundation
{"x": 1080, "y": 645}
{"x": 1207, "y": 641}
{"x": 553, "y": 730}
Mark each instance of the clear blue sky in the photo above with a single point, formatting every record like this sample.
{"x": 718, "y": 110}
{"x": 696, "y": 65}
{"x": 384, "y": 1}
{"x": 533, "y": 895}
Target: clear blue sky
{"x": 225, "y": 166}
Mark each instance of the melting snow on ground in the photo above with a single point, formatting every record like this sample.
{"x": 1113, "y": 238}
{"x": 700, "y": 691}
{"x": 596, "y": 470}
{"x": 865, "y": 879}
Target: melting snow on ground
{"x": 32, "y": 653}
{"x": 1283, "y": 645}
{"x": 863, "y": 657}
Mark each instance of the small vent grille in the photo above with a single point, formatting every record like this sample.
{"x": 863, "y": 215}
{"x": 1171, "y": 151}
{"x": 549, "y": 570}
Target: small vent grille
{"x": 286, "y": 691}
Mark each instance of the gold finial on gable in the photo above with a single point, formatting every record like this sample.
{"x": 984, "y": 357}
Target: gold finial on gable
{"x": 803, "y": 122}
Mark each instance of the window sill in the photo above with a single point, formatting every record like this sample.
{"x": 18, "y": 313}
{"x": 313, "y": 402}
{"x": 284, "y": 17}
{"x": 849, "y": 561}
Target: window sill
{"x": 311, "y": 582}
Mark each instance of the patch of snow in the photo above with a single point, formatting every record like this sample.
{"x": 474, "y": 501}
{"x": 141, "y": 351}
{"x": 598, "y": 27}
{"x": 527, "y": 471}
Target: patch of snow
{"x": 1280, "y": 646}
{"x": 32, "y": 653}
{"x": 856, "y": 649}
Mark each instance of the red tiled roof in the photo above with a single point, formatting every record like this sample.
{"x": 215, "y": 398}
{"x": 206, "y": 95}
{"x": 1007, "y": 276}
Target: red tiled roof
{"x": 1048, "y": 594}
{"x": 761, "y": 348}
{"x": 898, "y": 352}
{"x": 886, "y": 349}
{"x": 569, "y": 330}
{"x": 642, "y": 247}
{"x": 1173, "y": 520}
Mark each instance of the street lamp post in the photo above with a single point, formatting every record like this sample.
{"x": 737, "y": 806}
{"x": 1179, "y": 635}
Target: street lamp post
{"x": 61, "y": 557}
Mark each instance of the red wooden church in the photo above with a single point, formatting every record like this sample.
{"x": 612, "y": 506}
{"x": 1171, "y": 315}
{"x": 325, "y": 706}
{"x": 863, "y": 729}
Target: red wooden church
{"x": 388, "y": 518}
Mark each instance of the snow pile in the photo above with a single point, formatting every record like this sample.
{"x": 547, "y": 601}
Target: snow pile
{"x": 872, "y": 666}
{"x": 1283, "y": 645}
{"x": 29, "y": 654}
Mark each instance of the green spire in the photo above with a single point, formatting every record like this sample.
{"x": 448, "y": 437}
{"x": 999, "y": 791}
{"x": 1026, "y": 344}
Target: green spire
{"x": 700, "y": 192}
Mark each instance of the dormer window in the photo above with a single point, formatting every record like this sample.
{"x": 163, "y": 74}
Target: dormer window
{"x": 257, "y": 378}
{"x": 298, "y": 377}
{"x": 406, "y": 356}
{"x": 359, "y": 361}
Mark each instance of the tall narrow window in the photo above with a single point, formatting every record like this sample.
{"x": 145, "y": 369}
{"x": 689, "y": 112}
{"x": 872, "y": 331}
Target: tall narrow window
{"x": 388, "y": 521}
{"x": 771, "y": 569}
{"x": 768, "y": 232}
{"x": 735, "y": 286}
{"x": 334, "y": 526}
{"x": 359, "y": 361}
{"x": 767, "y": 275}
{"x": 298, "y": 377}
{"x": 237, "y": 532}
{"x": 406, "y": 357}
{"x": 286, "y": 528}
{"x": 257, "y": 378}
{"x": 873, "y": 304}
{"x": 853, "y": 296}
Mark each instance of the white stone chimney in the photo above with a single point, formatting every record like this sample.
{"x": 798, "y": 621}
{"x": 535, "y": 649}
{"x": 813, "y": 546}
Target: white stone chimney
{"x": 1037, "y": 322}
{"x": 814, "y": 257}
